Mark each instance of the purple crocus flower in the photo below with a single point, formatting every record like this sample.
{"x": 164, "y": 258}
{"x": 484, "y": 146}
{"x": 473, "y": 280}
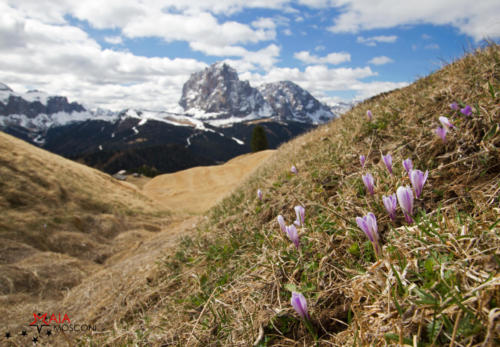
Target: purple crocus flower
{"x": 301, "y": 214}
{"x": 405, "y": 199}
{"x": 369, "y": 115}
{"x": 446, "y": 122}
{"x": 293, "y": 235}
{"x": 467, "y": 110}
{"x": 259, "y": 194}
{"x": 454, "y": 106}
{"x": 441, "y": 132}
{"x": 299, "y": 303}
{"x": 388, "y": 162}
{"x": 368, "y": 224}
{"x": 390, "y": 204}
{"x": 368, "y": 181}
{"x": 294, "y": 169}
{"x": 362, "y": 160}
{"x": 418, "y": 179}
{"x": 281, "y": 222}
{"x": 408, "y": 165}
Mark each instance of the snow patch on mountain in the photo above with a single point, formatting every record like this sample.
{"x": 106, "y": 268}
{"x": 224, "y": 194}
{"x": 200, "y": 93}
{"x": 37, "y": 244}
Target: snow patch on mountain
{"x": 238, "y": 141}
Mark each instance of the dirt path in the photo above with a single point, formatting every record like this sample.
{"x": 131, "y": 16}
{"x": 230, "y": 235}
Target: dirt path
{"x": 197, "y": 189}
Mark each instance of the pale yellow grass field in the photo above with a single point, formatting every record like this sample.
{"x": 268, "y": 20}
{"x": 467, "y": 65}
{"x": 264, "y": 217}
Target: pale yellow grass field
{"x": 197, "y": 189}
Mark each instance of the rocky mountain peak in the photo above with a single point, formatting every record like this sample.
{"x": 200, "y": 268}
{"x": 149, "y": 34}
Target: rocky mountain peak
{"x": 218, "y": 89}
{"x": 291, "y": 102}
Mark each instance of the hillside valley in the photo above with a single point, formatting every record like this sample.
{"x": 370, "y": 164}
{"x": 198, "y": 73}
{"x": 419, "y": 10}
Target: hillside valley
{"x": 377, "y": 228}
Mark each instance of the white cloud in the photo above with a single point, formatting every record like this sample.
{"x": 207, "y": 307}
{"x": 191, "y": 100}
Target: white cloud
{"x": 287, "y": 32}
{"x": 426, "y": 37}
{"x": 478, "y": 20}
{"x": 264, "y": 23}
{"x": 114, "y": 40}
{"x": 381, "y": 60}
{"x": 332, "y": 58}
{"x": 372, "y": 41}
{"x": 366, "y": 90}
{"x": 264, "y": 58}
{"x": 64, "y": 60}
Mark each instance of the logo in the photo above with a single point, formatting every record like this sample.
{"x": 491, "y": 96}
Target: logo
{"x": 53, "y": 323}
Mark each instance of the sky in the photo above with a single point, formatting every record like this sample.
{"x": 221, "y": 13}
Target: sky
{"x": 116, "y": 54}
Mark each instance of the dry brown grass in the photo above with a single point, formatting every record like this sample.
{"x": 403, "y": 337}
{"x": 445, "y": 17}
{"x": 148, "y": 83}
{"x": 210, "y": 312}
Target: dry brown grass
{"x": 58, "y": 223}
{"x": 198, "y": 189}
{"x": 438, "y": 280}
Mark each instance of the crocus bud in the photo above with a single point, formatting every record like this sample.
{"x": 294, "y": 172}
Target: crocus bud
{"x": 454, "y": 106}
{"x": 467, "y": 110}
{"x": 362, "y": 160}
{"x": 368, "y": 224}
{"x": 259, "y": 194}
{"x": 369, "y": 115}
{"x": 299, "y": 303}
{"x": 446, "y": 122}
{"x": 300, "y": 212}
{"x": 293, "y": 235}
{"x": 294, "y": 169}
{"x": 441, "y": 132}
{"x": 281, "y": 222}
{"x": 405, "y": 199}
{"x": 390, "y": 204}
{"x": 408, "y": 165}
{"x": 388, "y": 162}
{"x": 418, "y": 179}
{"x": 368, "y": 181}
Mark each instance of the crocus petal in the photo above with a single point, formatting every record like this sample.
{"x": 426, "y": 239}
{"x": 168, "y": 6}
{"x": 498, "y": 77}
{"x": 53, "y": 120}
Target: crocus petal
{"x": 259, "y": 194}
{"x": 299, "y": 303}
{"x": 282, "y": 224}
{"x": 408, "y": 165}
{"x": 388, "y": 162}
{"x": 467, "y": 110}
{"x": 291, "y": 231}
{"x": 369, "y": 115}
{"x": 405, "y": 199}
{"x": 368, "y": 181}
{"x": 300, "y": 212}
{"x": 441, "y": 132}
{"x": 454, "y": 106}
{"x": 294, "y": 169}
{"x": 446, "y": 122}
{"x": 362, "y": 160}
{"x": 368, "y": 224}
{"x": 417, "y": 179}
{"x": 363, "y": 225}
{"x": 390, "y": 204}
{"x": 372, "y": 222}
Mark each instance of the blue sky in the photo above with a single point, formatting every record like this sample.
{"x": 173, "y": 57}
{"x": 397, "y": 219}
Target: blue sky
{"x": 126, "y": 53}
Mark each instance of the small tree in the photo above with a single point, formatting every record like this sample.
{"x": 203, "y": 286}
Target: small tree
{"x": 259, "y": 139}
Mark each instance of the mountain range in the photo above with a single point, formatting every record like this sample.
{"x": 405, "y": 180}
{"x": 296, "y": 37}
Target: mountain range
{"x": 220, "y": 112}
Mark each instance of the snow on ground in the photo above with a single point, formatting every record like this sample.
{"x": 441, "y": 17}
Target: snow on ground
{"x": 238, "y": 141}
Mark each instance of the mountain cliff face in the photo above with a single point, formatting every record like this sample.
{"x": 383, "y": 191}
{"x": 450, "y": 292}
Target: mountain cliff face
{"x": 34, "y": 103}
{"x": 217, "y": 93}
{"x": 218, "y": 90}
{"x": 291, "y": 102}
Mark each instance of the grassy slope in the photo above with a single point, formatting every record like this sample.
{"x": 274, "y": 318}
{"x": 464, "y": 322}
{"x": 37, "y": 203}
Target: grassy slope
{"x": 438, "y": 279}
{"x": 57, "y": 224}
